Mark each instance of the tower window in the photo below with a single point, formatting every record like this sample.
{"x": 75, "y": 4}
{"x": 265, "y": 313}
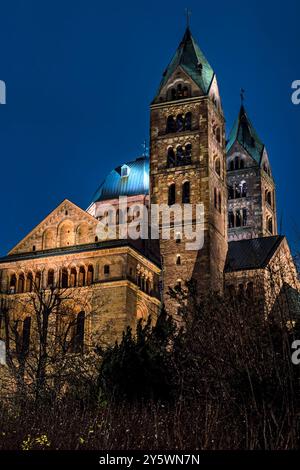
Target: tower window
{"x": 188, "y": 122}
{"x": 218, "y": 166}
{"x": 215, "y": 198}
{"x": 188, "y": 153}
{"x": 171, "y": 157}
{"x": 245, "y": 217}
{"x": 179, "y": 123}
{"x": 219, "y": 202}
{"x": 186, "y": 192}
{"x": 179, "y": 155}
{"x": 270, "y": 224}
{"x": 171, "y": 125}
{"x": 172, "y": 194}
{"x": 230, "y": 219}
{"x": 178, "y": 260}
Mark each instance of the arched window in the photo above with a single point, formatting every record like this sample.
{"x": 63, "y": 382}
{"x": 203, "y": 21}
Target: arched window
{"x": 241, "y": 291}
{"x": 242, "y": 164}
{"x": 218, "y": 135}
{"x": 26, "y": 336}
{"x": 90, "y": 275}
{"x": 21, "y": 283}
{"x": 13, "y": 283}
{"x": 188, "y": 153}
{"x": 178, "y": 259}
{"x": 179, "y": 155}
{"x": 64, "y": 278}
{"x": 269, "y": 197}
{"x": 231, "y": 290}
{"x": 250, "y": 290}
{"x": 218, "y": 166}
{"x": 171, "y": 125}
{"x": 231, "y": 165}
{"x": 79, "y": 333}
{"x": 245, "y": 217}
{"x": 179, "y": 91}
{"x": 73, "y": 277}
{"x": 173, "y": 94}
{"x": 81, "y": 276}
{"x": 50, "y": 278}
{"x": 148, "y": 286}
{"x": 237, "y": 192}
{"x": 186, "y": 192}
{"x": 215, "y": 198}
{"x": 171, "y": 157}
{"x": 179, "y": 123}
{"x": 172, "y": 194}
{"x": 220, "y": 202}
{"x": 188, "y": 122}
{"x": 185, "y": 92}
{"x": 230, "y": 219}
{"x": 236, "y": 163}
{"x": 29, "y": 282}
{"x": 238, "y": 219}
{"x": 66, "y": 234}
{"x": 38, "y": 278}
{"x": 270, "y": 224}
{"x": 243, "y": 189}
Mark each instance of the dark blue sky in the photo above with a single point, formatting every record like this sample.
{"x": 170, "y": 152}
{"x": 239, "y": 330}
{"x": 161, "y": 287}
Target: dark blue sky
{"x": 80, "y": 76}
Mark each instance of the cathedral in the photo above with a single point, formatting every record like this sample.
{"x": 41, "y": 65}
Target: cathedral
{"x": 119, "y": 280}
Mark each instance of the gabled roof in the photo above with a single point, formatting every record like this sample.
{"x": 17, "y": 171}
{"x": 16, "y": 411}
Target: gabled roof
{"x": 254, "y": 253}
{"x": 192, "y": 60}
{"x": 65, "y": 204}
{"x": 244, "y": 133}
{"x": 135, "y": 183}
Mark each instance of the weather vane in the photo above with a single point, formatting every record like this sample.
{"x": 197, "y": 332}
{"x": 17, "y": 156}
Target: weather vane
{"x": 242, "y": 95}
{"x": 145, "y": 149}
{"x": 188, "y": 17}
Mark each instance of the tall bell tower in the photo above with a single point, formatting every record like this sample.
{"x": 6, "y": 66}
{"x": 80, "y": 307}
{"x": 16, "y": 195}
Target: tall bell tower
{"x": 187, "y": 165}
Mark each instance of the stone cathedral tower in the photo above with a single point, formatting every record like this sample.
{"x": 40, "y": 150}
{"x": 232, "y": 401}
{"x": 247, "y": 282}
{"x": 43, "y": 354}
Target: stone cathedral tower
{"x": 251, "y": 188}
{"x": 188, "y": 165}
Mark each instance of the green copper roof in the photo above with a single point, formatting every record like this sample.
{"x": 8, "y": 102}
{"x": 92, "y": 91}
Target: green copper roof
{"x": 193, "y": 62}
{"x": 244, "y": 133}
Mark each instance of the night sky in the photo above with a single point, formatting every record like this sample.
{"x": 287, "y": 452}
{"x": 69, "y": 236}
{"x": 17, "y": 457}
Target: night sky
{"x": 80, "y": 76}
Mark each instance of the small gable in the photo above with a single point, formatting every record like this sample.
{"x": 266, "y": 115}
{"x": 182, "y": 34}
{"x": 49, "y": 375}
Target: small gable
{"x": 67, "y": 225}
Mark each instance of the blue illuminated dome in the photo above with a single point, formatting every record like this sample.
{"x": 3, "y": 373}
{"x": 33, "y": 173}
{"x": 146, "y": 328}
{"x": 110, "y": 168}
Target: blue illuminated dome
{"x": 129, "y": 179}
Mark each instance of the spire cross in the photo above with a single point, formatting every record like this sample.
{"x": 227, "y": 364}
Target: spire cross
{"x": 188, "y": 17}
{"x": 242, "y": 95}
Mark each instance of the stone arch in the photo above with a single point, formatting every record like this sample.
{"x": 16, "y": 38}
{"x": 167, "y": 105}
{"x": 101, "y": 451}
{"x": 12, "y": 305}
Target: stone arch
{"x": 49, "y": 239}
{"x": 82, "y": 233}
{"x": 66, "y": 233}
{"x": 141, "y": 311}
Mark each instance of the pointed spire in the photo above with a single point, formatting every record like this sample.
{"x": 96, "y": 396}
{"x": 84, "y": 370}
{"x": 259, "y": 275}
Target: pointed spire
{"x": 244, "y": 133}
{"x": 192, "y": 60}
